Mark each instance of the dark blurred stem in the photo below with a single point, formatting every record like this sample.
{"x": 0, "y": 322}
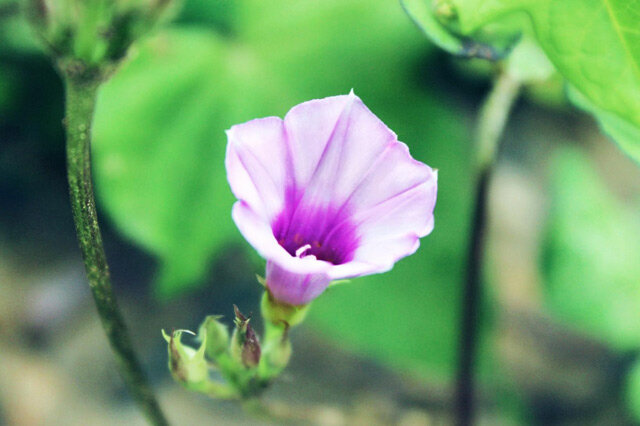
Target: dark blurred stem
{"x": 80, "y": 102}
{"x": 491, "y": 122}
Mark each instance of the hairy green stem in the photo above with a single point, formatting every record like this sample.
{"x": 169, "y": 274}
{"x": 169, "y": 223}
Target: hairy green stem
{"x": 491, "y": 122}
{"x": 81, "y": 95}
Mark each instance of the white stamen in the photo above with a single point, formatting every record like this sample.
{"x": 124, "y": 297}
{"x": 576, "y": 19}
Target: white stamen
{"x": 302, "y": 250}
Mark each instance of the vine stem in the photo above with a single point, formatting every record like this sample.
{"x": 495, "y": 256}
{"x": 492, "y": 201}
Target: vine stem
{"x": 81, "y": 94}
{"x": 491, "y": 123}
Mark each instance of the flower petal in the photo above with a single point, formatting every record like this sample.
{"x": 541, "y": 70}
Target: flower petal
{"x": 390, "y": 230}
{"x": 334, "y": 142}
{"x": 333, "y": 181}
{"x": 258, "y": 164}
{"x": 396, "y": 174}
{"x": 290, "y": 279}
{"x": 393, "y": 207}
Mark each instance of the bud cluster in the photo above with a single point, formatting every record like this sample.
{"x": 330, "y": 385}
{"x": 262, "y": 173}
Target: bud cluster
{"x": 86, "y": 35}
{"x": 245, "y": 365}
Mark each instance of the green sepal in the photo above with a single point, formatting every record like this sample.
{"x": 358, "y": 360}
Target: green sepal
{"x": 338, "y": 282}
{"x": 280, "y": 313}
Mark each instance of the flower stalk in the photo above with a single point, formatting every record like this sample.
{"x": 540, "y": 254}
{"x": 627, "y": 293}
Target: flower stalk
{"x": 491, "y": 123}
{"x": 81, "y": 92}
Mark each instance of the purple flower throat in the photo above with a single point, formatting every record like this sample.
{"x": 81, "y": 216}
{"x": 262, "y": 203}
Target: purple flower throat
{"x": 328, "y": 233}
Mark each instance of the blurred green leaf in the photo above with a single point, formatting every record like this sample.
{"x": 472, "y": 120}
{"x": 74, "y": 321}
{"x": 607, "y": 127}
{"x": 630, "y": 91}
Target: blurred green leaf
{"x": 438, "y": 21}
{"x": 160, "y": 168}
{"x": 327, "y": 48}
{"x": 332, "y": 46}
{"x": 160, "y": 148}
{"x": 620, "y": 130}
{"x": 160, "y": 144}
{"x": 218, "y": 14}
{"x": 15, "y": 34}
{"x": 424, "y": 16}
{"x": 594, "y": 44}
{"x": 591, "y": 255}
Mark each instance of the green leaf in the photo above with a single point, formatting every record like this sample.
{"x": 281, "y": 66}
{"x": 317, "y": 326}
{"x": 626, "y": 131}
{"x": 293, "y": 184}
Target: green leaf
{"x": 591, "y": 255}
{"x": 594, "y": 44}
{"x": 620, "y": 130}
{"x": 485, "y": 46}
{"x": 159, "y": 149}
{"x": 425, "y": 18}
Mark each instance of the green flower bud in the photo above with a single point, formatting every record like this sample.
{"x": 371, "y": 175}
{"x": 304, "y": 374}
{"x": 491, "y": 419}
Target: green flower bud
{"x": 245, "y": 346}
{"x": 187, "y": 365}
{"x": 216, "y": 336}
{"x": 87, "y": 34}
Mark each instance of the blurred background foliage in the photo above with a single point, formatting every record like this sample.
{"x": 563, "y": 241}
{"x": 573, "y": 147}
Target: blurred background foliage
{"x": 159, "y": 169}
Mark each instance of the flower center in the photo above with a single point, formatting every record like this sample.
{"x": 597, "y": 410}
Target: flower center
{"x": 302, "y": 251}
{"x": 325, "y": 233}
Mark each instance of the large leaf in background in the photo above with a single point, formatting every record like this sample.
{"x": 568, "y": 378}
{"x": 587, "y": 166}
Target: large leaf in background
{"x": 15, "y": 34}
{"x": 591, "y": 255}
{"x": 594, "y": 44}
{"x": 330, "y": 47}
{"x": 179, "y": 93}
{"x": 160, "y": 169}
{"x": 159, "y": 148}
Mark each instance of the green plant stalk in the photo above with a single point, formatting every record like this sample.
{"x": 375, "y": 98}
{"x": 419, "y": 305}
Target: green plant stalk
{"x": 491, "y": 123}
{"x": 81, "y": 93}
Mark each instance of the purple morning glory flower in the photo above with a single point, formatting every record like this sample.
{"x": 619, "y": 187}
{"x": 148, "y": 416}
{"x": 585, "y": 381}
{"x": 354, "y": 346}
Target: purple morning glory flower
{"x": 327, "y": 193}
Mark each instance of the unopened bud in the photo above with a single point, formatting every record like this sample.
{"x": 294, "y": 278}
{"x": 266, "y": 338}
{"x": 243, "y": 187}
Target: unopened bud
{"x": 187, "y": 365}
{"x": 216, "y": 335}
{"x": 88, "y": 34}
{"x": 245, "y": 346}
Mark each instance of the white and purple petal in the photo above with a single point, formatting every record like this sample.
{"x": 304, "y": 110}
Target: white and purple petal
{"x": 325, "y": 194}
